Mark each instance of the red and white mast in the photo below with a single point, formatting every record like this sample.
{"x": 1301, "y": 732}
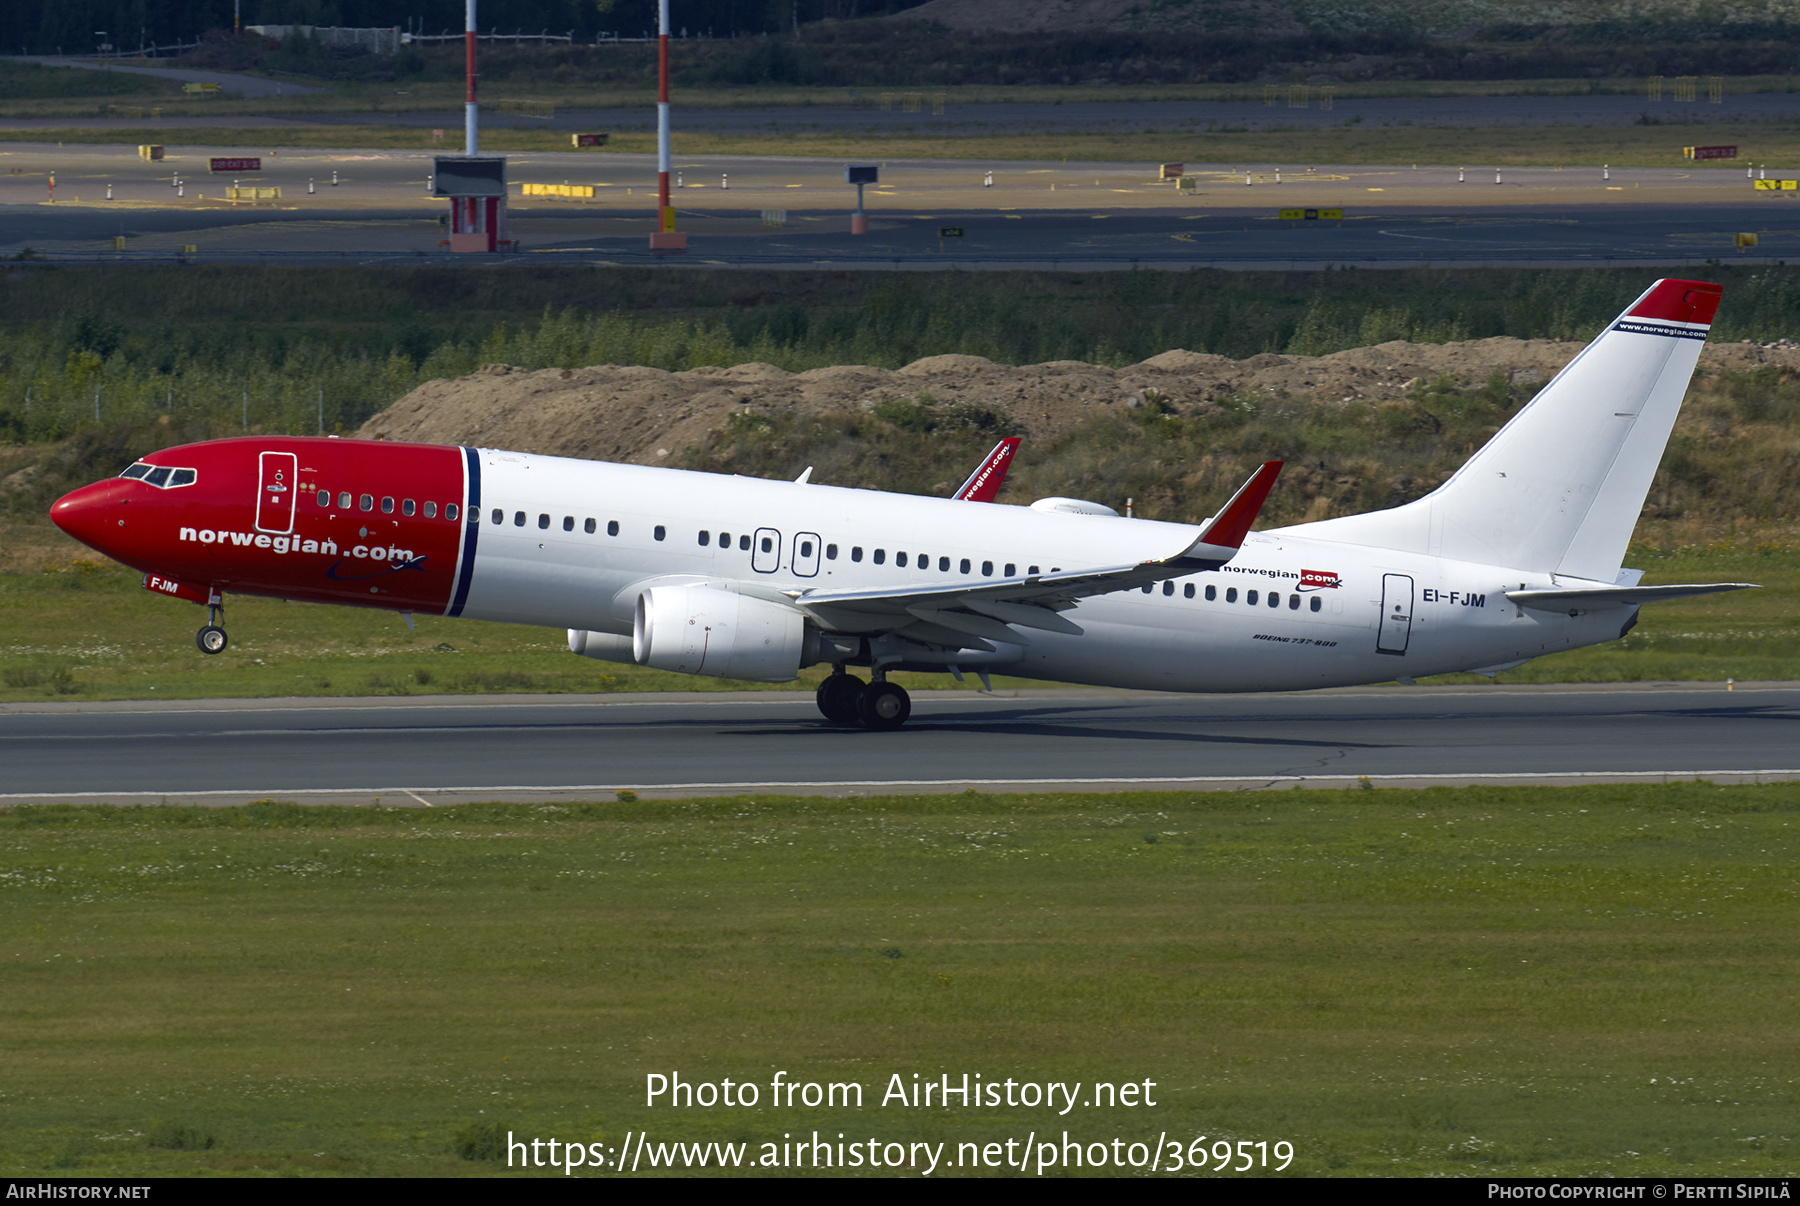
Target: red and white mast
{"x": 662, "y": 113}
{"x": 664, "y": 238}
{"x": 469, "y": 99}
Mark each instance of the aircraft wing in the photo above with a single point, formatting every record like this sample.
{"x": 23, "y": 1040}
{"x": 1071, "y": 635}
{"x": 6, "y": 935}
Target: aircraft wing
{"x": 995, "y": 608}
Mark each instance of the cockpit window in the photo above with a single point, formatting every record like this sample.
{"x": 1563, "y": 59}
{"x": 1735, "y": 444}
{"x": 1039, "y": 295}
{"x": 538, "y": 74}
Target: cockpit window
{"x": 160, "y": 476}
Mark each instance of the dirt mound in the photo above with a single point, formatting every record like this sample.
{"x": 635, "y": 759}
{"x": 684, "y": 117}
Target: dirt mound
{"x": 646, "y": 415}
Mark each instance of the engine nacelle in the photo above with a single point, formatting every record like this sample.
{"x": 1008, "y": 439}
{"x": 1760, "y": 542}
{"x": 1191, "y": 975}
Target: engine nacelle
{"x": 699, "y": 630}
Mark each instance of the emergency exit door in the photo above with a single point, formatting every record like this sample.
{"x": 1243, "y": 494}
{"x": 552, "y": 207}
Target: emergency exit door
{"x": 1396, "y": 614}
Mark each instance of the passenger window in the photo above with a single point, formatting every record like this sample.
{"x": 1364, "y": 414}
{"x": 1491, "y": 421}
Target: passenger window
{"x": 1315, "y": 602}
{"x": 1231, "y": 595}
{"x": 743, "y": 544}
{"x": 612, "y": 527}
{"x": 430, "y": 510}
{"x": 568, "y": 523}
{"x": 899, "y": 560}
{"x": 499, "y": 515}
{"x": 660, "y": 532}
{"x": 1293, "y": 602}
{"x": 1011, "y": 571}
{"x": 768, "y": 545}
{"x": 543, "y": 520}
{"x": 518, "y": 519}
{"x": 880, "y": 556}
{"x": 1250, "y": 598}
{"x": 324, "y": 498}
{"x": 724, "y": 540}
{"x": 705, "y": 537}
{"x": 387, "y": 506}
{"x": 1187, "y": 590}
{"x": 1147, "y": 588}
{"x": 1168, "y": 588}
{"x": 856, "y": 552}
{"x": 1031, "y": 571}
{"x": 344, "y": 501}
{"x": 944, "y": 565}
{"x": 963, "y": 565}
{"x": 181, "y": 477}
{"x": 806, "y": 548}
{"x": 451, "y": 511}
{"x": 831, "y": 552}
{"x": 987, "y": 569}
{"x": 366, "y": 502}
{"x": 588, "y": 525}
{"x": 406, "y": 506}
{"x": 1212, "y": 592}
{"x": 1274, "y": 599}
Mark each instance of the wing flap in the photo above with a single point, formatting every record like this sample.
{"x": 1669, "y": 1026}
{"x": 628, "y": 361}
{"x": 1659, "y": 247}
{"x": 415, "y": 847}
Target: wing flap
{"x": 965, "y": 622}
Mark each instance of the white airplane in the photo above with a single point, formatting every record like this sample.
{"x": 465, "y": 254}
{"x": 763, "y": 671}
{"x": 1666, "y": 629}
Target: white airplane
{"x": 1517, "y": 555}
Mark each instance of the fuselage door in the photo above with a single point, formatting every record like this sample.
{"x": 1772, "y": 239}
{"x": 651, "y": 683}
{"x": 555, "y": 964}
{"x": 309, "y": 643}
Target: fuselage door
{"x": 1396, "y": 614}
{"x": 765, "y": 551}
{"x": 806, "y": 555}
{"x": 275, "y": 491}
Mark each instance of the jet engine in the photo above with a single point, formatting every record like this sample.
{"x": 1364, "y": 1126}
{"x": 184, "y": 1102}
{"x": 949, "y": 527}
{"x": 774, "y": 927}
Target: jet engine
{"x": 699, "y": 630}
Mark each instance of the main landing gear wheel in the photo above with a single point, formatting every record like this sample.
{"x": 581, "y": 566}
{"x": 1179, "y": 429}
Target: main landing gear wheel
{"x": 839, "y": 698}
{"x": 885, "y": 706}
{"x": 211, "y": 639}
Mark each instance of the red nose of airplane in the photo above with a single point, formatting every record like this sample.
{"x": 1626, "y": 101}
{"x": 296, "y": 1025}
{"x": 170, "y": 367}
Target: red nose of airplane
{"x": 96, "y": 515}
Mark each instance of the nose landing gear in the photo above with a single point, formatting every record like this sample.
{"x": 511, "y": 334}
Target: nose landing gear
{"x": 212, "y": 638}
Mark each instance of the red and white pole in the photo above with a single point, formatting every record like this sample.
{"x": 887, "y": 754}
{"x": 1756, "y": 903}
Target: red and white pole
{"x": 664, "y": 215}
{"x": 469, "y": 99}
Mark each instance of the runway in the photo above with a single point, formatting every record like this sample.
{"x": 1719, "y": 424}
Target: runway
{"x": 430, "y": 752}
{"x": 925, "y": 214}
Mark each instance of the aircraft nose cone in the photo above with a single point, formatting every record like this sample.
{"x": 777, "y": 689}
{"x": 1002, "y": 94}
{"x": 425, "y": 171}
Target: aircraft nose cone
{"x": 94, "y": 514}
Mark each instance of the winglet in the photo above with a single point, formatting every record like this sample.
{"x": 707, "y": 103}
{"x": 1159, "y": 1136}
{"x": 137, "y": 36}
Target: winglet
{"x": 1224, "y": 533}
{"x": 984, "y": 484}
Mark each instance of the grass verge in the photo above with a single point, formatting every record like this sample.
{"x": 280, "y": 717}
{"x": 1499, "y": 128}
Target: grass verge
{"x": 1475, "y": 982}
{"x": 1656, "y": 145}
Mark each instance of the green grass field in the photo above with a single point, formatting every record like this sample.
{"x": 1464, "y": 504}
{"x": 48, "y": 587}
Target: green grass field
{"x": 38, "y": 92}
{"x": 1505, "y": 146}
{"x": 1592, "y": 981}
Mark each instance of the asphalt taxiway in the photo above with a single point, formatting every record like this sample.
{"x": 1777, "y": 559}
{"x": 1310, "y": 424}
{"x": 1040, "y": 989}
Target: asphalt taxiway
{"x": 443, "y": 750}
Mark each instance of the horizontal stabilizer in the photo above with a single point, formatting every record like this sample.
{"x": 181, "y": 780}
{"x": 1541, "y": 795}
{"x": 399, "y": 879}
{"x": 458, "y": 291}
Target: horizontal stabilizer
{"x": 1583, "y": 598}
